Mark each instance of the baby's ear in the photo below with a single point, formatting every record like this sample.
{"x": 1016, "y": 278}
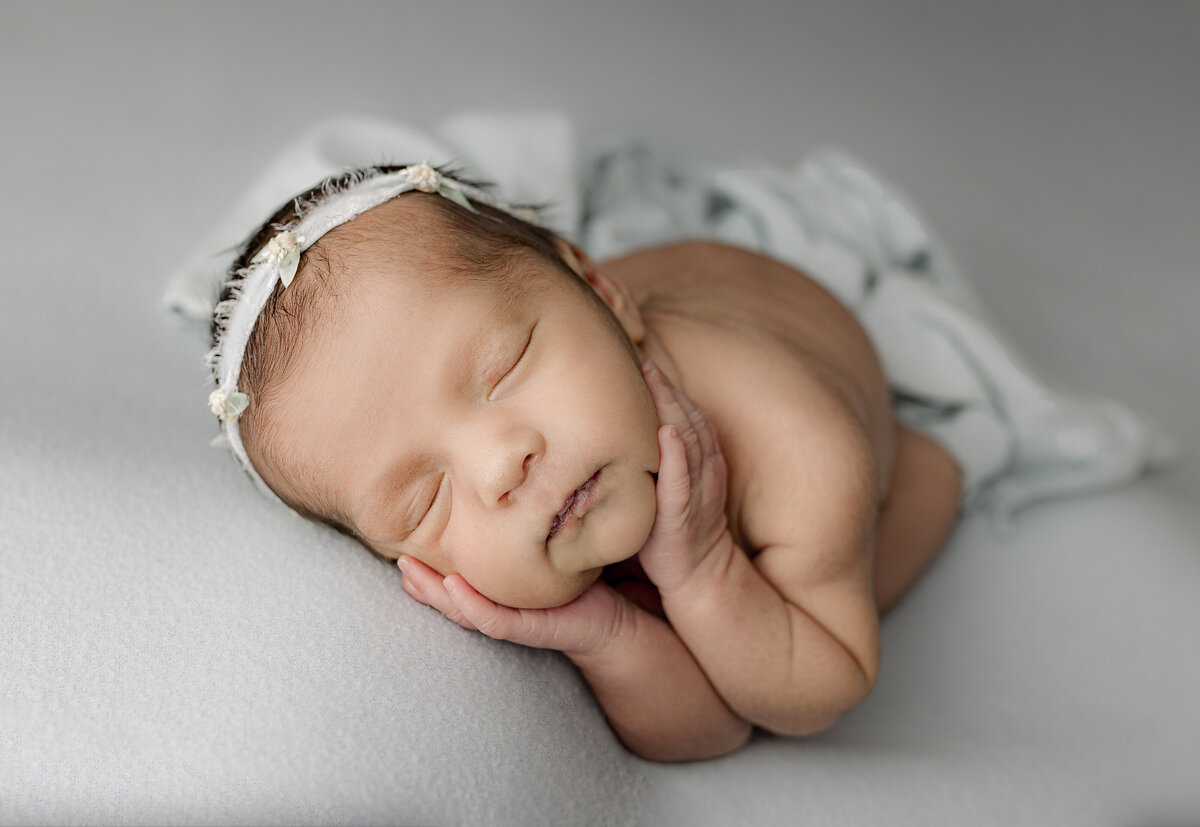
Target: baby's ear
{"x": 609, "y": 288}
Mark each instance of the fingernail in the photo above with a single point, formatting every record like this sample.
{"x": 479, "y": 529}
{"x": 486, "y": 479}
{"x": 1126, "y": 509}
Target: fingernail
{"x": 402, "y": 562}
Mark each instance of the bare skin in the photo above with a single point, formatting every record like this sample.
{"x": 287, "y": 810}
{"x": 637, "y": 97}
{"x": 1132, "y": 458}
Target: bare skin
{"x": 748, "y": 310}
{"x": 792, "y": 512}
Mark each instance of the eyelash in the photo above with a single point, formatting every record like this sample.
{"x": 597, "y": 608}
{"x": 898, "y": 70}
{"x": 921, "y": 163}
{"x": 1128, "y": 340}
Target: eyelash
{"x": 437, "y": 492}
{"x": 519, "y": 359}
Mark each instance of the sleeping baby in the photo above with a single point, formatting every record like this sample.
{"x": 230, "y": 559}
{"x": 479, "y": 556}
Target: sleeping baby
{"x": 680, "y": 468}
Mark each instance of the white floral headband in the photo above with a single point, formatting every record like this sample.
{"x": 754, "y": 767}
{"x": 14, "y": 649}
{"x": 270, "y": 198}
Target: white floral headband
{"x": 278, "y": 260}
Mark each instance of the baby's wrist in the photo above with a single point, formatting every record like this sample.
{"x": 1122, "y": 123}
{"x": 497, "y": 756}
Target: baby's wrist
{"x": 604, "y": 648}
{"x": 710, "y": 571}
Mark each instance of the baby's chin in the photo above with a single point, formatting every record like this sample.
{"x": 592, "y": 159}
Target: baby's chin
{"x": 621, "y": 528}
{"x": 558, "y": 595}
{"x": 565, "y": 589}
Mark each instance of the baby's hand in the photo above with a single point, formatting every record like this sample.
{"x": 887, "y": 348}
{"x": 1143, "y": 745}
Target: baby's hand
{"x": 583, "y": 626}
{"x": 690, "y": 523}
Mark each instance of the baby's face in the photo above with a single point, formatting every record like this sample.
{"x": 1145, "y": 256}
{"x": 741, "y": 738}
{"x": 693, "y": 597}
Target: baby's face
{"x": 508, "y": 438}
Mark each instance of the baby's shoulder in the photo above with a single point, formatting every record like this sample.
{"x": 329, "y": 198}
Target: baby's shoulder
{"x": 791, "y": 427}
{"x": 744, "y": 326}
{"x": 687, "y": 265}
{"x": 734, "y": 289}
{"x": 787, "y": 375}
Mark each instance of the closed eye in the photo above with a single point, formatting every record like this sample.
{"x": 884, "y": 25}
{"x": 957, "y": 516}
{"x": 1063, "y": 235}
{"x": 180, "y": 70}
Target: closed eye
{"x": 520, "y": 358}
{"x": 437, "y": 493}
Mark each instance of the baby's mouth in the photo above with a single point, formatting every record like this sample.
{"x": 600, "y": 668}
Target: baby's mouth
{"x": 576, "y": 503}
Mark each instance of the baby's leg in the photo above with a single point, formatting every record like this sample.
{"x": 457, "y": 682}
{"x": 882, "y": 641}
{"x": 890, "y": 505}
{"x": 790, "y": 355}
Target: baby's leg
{"x": 917, "y": 515}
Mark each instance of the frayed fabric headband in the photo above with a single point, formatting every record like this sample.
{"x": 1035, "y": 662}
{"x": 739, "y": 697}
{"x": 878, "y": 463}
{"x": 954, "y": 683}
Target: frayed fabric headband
{"x": 278, "y": 260}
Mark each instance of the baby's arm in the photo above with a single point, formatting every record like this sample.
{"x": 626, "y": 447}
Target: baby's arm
{"x": 789, "y": 647}
{"x": 790, "y": 640}
{"x": 656, "y": 698}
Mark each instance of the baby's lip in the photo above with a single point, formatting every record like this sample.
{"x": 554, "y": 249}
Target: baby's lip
{"x": 574, "y": 505}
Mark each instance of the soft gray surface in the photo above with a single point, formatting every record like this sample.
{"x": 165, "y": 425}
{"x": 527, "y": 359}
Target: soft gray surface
{"x": 172, "y": 648}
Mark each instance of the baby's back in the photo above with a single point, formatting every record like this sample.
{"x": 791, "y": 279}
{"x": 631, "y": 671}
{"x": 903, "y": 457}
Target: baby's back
{"x": 776, "y": 360}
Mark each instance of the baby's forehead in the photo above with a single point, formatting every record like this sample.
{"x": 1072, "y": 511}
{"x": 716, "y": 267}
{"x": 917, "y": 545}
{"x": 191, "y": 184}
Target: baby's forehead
{"x": 400, "y": 229}
{"x": 425, "y": 238}
{"x": 383, "y": 269}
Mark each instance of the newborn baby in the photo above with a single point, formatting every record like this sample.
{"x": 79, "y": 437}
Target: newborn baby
{"x": 680, "y": 468}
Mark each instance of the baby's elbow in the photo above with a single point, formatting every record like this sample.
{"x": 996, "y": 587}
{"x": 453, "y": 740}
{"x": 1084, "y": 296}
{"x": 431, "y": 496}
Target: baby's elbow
{"x": 868, "y": 676}
{"x": 855, "y": 687}
{"x": 820, "y": 708}
{"x": 808, "y": 725}
{"x": 856, "y": 676}
{"x": 810, "y": 721}
{"x": 694, "y": 746}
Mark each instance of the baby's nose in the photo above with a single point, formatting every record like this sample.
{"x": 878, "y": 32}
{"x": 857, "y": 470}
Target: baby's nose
{"x": 526, "y": 464}
{"x": 513, "y": 457}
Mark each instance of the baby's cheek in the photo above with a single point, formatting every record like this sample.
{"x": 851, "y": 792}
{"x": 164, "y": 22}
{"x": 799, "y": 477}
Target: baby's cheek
{"x": 635, "y": 520}
{"x": 435, "y": 560}
{"x": 541, "y": 589}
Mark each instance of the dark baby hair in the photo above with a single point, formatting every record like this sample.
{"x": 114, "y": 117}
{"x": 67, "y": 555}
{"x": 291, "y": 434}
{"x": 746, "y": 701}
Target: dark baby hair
{"x": 492, "y": 232}
{"x": 480, "y": 244}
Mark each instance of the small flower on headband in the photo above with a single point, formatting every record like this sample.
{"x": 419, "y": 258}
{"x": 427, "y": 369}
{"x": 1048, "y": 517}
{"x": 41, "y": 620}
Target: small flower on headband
{"x": 228, "y": 406}
{"x": 283, "y": 251}
{"x": 424, "y": 178}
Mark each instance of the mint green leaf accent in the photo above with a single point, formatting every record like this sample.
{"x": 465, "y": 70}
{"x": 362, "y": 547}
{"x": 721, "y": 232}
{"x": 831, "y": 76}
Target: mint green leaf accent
{"x": 235, "y": 403}
{"x": 456, "y": 196}
{"x": 288, "y": 265}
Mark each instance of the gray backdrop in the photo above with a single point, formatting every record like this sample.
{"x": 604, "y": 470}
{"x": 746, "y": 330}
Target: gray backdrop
{"x": 1053, "y": 145}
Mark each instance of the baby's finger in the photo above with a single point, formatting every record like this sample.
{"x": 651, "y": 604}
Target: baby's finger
{"x": 414, "y": 591}
{"x": 701, "y": 423}
{"x": 670, "y": 412}
{"x": 693, "y": 434}
{"x": 425, "y": 585}
{"x": 674, "y": 488}
{"x": 418, "y": 576}
{"x": 495, "y": 620}
{"x": 669, "y": 402}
